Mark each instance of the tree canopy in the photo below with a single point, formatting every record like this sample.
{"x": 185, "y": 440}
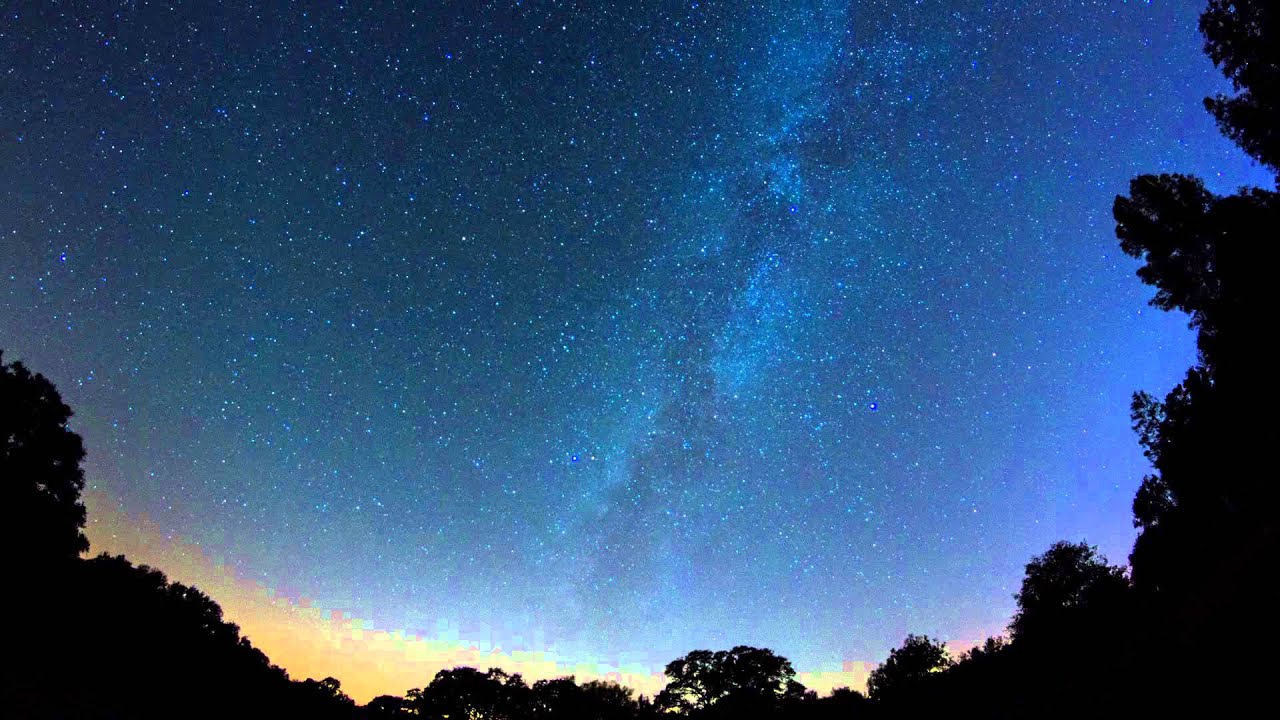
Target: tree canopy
{"x": 466, "y": 692}
{"x": 745, "y": 676}
{"x": 40, "y": 475}
{"x": 1206, "y": 514}
{"x": 1066, "y": 585}
{"x": 1243, "y": 40}
{"x": 917, "y": 661}
{"x": 1210, "y": 256}
{"x": 596, "y": 699}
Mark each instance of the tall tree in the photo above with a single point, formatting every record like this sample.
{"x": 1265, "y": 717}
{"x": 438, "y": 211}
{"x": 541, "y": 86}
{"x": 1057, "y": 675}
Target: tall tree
{"x": 1207, "y": 515}
{"x": 1242, "y": 39}
{"x": 40, "y": 475}
{"x": 1211, "y": 257}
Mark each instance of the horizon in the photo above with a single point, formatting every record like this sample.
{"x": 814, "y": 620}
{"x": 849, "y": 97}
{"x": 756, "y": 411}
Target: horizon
{"x": 311, "y": 641}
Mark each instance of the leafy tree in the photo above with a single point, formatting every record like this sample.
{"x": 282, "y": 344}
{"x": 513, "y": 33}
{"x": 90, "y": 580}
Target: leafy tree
{"x": 842, "y": 704}
{"x": 141, "y": 646}
{"x": 1243, "y": 40}
{"x": 1211, "y": 257}
{"x": 321, "y": 699}
{"x": 1070, "y": 583}
{"x": 468, "y": 694}
{"x": 102, "y": 638}
{"x": 564, "y": 699}
{"x": 1207, "y": 514}
{"x": 1202, "y": 252}
{"x": 989, "y": 676}
{"x": 908, "y": 669}
{"x": 387, "y": 707}
{"x": 728, "y": 680}
{"x": 40, "y": 475}
{"x": 992, "y": 647}
{"x": 557, "y": 698}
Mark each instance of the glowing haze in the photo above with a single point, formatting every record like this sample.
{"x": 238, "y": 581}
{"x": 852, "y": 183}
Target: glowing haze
{"x": 313, "y": 641}
{"x": 571, "y": 337}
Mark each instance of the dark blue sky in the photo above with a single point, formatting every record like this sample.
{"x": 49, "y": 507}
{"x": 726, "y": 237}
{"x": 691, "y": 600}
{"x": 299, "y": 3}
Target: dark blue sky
{"x": 621, "y": 330}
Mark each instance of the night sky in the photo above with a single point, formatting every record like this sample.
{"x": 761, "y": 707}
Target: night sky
{"x": 608, "y": 330}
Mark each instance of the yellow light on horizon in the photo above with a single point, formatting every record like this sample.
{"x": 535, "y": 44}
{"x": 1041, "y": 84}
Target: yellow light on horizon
{"x": 309, "y": 640}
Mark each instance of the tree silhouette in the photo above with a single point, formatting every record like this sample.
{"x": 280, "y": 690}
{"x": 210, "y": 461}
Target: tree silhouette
{"x": 842, "y": 704}
{"x": 141, "y": 646}
{"x": 1207, "y": 514}
{"x": 387, "y": 707}
{"x": 1242, "y": 40}
{"x": 729, "y": 681}
{"x": 908, "y": 669}
{"x": 1069, "y": 584}
{"x": 990, "y": 648}
{"x": 990, "y": 679}
{"x": 466, "y": 692}
{"x": 321, "y": 698}
{"x": 1211, "y": 257}
{"x": 602, "y": 695}
{"x": 101, "y": 637}
{"x": 40, "y": 475}
{"x": 558, "y": 698}
{"x": 564, "y": 699}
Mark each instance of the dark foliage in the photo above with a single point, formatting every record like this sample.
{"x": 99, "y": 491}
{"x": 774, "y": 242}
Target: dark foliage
{"x": 565, "y": 699}
{"x": 1066, "y": 590}
{"x": 908, "y": 672}
{"x": 40, "y": 475}
{"x": 468, "y": 693}
{"x": 101, "y": 637}
{"x": 388, "y": 707}
{"x": 729, "y": 683}
{"x": 1206, "y": 515}
{"x": 1243, "y": 39}
{"x": 842, "y": 704}
{"x": 130, "y": 643}
{"x": 320, "y": 699}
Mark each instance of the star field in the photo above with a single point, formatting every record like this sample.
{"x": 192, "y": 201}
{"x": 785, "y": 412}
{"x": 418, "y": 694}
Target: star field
{"x": 616, "y": 328}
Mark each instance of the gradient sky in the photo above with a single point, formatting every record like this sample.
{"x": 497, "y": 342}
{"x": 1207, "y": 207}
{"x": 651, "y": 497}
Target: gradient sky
{"x": 605, "y": 330}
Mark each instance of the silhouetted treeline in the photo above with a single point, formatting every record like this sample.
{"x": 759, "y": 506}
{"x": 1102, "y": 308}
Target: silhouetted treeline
{"x": 1188, "y": 627}
{"x": 1207, "y": 549}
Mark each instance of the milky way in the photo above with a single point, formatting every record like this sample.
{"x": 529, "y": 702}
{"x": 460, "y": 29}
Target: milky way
{"x": 618, "y": 330}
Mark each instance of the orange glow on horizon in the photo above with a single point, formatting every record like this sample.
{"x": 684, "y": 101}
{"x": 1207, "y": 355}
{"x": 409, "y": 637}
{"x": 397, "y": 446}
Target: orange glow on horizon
{"x": 309, "y": 640}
